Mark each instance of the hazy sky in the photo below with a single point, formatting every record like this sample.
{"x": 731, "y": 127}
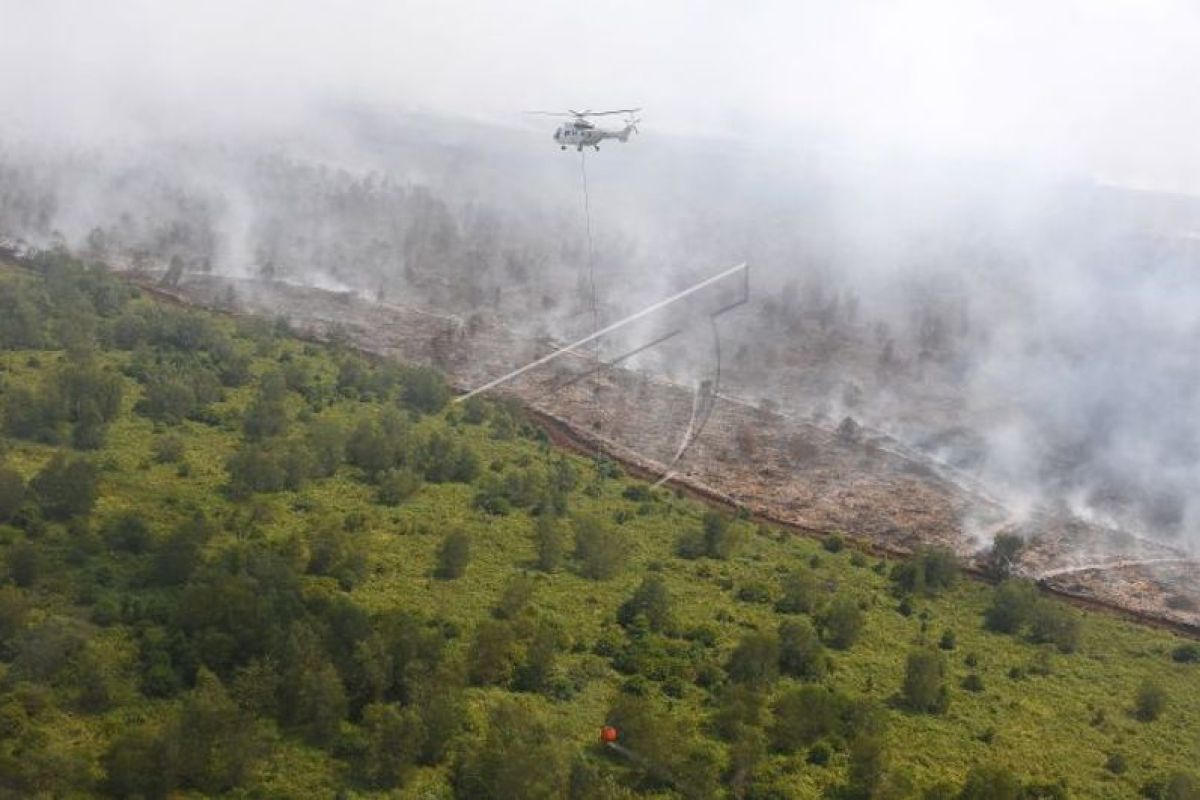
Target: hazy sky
{"x": 1107, "y": 87}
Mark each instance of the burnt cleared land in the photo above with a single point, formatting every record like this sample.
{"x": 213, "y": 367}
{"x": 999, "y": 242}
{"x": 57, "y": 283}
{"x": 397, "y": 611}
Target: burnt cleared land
{"x": 823, "y": 478}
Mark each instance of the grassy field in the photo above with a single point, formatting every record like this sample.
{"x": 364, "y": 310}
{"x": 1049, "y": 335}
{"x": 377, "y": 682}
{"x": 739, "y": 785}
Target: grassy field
{"x": 1066, "y": 724}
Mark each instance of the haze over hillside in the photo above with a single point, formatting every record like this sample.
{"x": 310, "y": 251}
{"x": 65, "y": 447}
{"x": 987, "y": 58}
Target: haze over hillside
{"x": 930, "y": 201}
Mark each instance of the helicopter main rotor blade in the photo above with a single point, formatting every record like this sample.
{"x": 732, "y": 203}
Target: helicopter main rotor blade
{"x": 616, "y": 111}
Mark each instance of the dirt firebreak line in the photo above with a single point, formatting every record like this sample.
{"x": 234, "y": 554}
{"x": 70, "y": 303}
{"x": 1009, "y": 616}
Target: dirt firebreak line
{"x": 566, "y": 435}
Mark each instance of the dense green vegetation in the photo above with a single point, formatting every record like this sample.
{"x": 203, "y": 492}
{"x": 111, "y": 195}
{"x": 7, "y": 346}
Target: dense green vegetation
{"x": 237, "y": 562}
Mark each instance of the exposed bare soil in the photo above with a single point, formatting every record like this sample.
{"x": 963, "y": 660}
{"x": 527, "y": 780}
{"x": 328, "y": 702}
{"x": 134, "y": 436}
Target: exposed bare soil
{"x": 818, "y": 477}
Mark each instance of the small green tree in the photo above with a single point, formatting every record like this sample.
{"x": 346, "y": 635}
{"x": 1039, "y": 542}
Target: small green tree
{"x": 549, "y": 539}
{"x": 168, "y": 399}
{"x": 252, "y": 469}
{"x": 755, "y": 659}
{"x": 1012, "y": 603}
{"x": 842, "y": 622}
{"x": 1150, "y": 701}
{"x": 519, "y": 759}
{"x": 924, "y": 689}
{"x": 141, "y": 762}
{"x": 327, "y": 443}
{"x": 424, "y": 389}
{"x": 801, "y": 592}
{"x": 168, "y": 449}
{"x": 1176, "y": 786}
{"x": 600, "y": 548}
{"x": 393, "y": 744}
{"x": 180, "y": 554}
{"x": 217, "y": 744}
{"x": 337, "y": 553}
{"x": 803, "y": 716}
{"x": 536, "y": 671}
{"x": 658, "y": 738}
{"x": 494, "y": 652}
{"x": 721, "y": 540}
{"x": 24, "y": 563}
{"x": 1006, "y": 550}
{"x": 801, "y": 653}
{"x": 515, "y": 597}
{"x": 128, "y": 533}
{"x": 1052, "y": 621}
{"x": 312, "y": 696}
{"x": 369, "y": 450}
{"x": 12, "y": 493}
{"x": 867, "y": 764}
{"x": 927, "y": 571}
{"x": 453, "y": 555}
{"x": 267, "y": 415}
{"x": 66, "y": 488}
{"x": 990, "y": 782}
{"x": 739, "y": 706}
{"x": 650, "y": 600}
{"x": 397, "y": 485}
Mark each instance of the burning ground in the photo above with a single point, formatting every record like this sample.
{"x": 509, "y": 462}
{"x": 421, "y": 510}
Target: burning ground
{"x": 817, "y": 475}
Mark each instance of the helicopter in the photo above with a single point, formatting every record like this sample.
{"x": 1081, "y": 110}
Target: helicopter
{"x": 581, "y": 133}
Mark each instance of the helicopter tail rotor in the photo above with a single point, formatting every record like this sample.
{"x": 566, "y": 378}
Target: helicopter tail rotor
{"x": 630, "y": 125}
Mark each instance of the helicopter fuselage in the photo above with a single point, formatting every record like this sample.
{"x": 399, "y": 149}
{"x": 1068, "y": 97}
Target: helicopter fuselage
{"x": 583, "y": 134}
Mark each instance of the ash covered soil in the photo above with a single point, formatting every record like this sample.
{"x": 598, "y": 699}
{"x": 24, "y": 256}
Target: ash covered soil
{"x": 821, "y": 476}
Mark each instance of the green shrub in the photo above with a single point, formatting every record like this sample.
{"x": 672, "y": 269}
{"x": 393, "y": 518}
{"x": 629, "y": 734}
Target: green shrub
{"x": 168, "y": 449}
{"x": 803, "y": 716}
{"x": 801, "y": 592}
{"x": 842, "y": 622}
{"x": 453, "y": 555}
{"x": 929, "y": 570}
{"x": 1012, "y": 605}
{"x": 801, "y": 653}
{"x": 1150, "y": 701}
{"x": 12, "y": 493}
{"x": 973, "y": 683}
{"x": 128, "y": 532}
{"x": 424, "y": 389}
{"x": 396, "y": 486}
{"x": 337, "y": 553}
{"x": 924, "y": 688}
{"x": 254, "y": 468}
{"x": 600, "y": 548}
{"x": 1187, "y": 653}
{"x": 1177, "y": 786}
{"x": 739, "y": 706}
{"x": 650, "y": 601}
{"x": 754, "y": 592}
{"x": 990, "y": 782}
{"x": 1006, "y": 550}
{"x": 755, "y": 659}
{"x": 24, "y": 560}
{"x": 66, "y": 488}
{"x": 549, "y": 541}
{"x": 515, "y": 597}
{"x": 493, "y": 654}
{"x": 1053, "y": 622}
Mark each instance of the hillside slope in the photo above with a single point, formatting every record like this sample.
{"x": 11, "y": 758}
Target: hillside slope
{"x": 239, "y": 562}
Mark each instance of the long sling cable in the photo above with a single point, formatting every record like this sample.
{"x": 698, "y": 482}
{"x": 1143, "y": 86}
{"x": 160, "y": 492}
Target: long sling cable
{"x": 587, "y": 217}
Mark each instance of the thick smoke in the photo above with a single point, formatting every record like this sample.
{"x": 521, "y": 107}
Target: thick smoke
{"x": 965, "y": 268}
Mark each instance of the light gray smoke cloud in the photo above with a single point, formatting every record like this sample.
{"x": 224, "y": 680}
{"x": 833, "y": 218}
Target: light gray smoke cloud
{"x": 958, "y": 213}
